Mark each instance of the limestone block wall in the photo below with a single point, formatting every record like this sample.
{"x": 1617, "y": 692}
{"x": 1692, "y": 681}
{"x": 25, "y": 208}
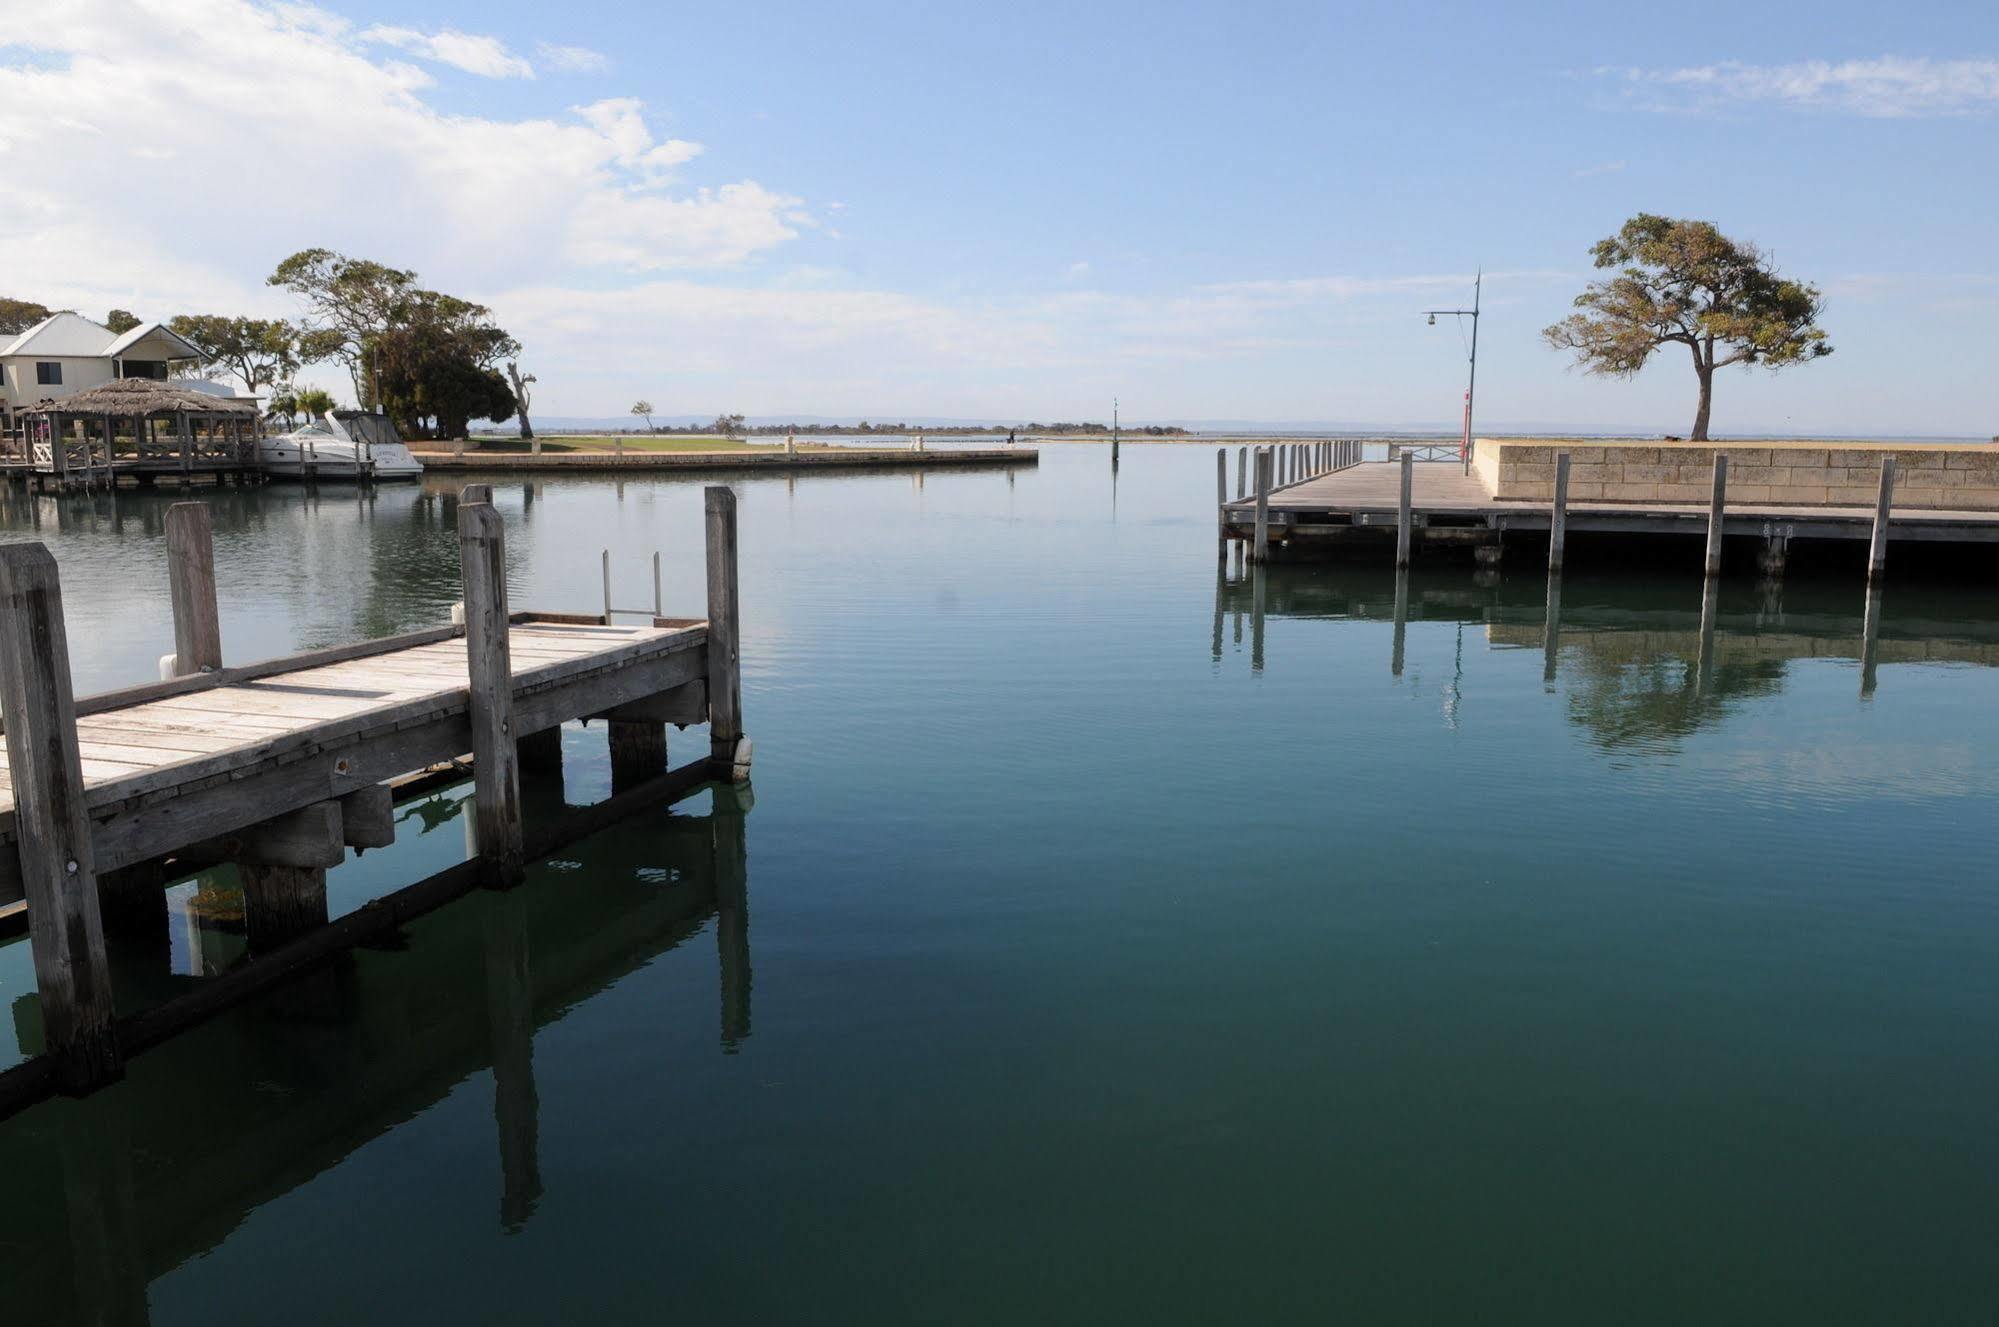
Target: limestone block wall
{"x": 1947, "y": 476}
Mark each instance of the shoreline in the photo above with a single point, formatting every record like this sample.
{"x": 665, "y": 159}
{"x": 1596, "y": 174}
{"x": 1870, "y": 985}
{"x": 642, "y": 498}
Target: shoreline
{"x": 828, "y": 459}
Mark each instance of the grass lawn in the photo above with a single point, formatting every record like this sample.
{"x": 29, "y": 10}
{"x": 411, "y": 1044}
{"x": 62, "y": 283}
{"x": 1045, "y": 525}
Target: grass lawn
{"x": 577, "y": 442}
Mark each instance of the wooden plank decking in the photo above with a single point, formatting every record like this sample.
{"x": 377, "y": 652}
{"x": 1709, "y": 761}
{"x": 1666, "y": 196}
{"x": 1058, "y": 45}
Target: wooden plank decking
{"x": 142, "y": 758}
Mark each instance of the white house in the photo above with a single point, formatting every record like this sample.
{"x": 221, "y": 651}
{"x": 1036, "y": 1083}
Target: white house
{"x": 67, "y": 352}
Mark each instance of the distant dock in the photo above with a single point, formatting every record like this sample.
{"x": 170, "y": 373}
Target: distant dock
{"x": 842, "y": 458}
{"x": 1322, "y": 499}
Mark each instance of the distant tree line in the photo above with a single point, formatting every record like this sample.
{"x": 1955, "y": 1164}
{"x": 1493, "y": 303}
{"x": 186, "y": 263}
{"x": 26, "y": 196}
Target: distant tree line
{"x": 734, "y": 426}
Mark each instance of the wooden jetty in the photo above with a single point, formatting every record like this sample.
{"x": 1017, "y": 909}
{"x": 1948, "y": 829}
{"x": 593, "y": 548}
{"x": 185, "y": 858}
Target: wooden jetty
{"x": 635, "y": 461}
{"x": 1320, "y": 499}
{"x": 137, "y": 430}
{"x": 280, "y": 766}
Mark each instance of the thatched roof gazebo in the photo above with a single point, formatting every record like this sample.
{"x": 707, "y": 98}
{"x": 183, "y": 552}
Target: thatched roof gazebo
{"x": 80, "y": 434}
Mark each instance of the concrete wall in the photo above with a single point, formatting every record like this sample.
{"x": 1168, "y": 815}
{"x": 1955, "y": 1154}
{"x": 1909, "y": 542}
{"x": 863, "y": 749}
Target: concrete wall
{"x": 1942, "y": 476}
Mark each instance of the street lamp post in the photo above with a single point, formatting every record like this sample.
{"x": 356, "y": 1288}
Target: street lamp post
{"x": 1471, "y": 384}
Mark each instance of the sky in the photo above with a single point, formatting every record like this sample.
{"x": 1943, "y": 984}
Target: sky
{"x": 892, "y": 210}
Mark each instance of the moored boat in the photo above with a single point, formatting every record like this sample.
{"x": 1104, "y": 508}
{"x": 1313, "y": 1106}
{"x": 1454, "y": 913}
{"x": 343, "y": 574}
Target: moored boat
{"x": 344, "y": 444}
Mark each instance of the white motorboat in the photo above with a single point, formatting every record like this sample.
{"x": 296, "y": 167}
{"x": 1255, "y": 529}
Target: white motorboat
{"x": 346, "y": 444}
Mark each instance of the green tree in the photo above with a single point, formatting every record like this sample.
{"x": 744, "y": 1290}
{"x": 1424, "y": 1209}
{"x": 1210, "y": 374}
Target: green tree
{"x": 121, "y": 320}
{"x": 727, "y": 425}
{"x": 644, "y": 408}
{"x": 261, "y": 352}
{"x": 351, "y": 300}
{"x": 18, "y": 315}
{"x": 1685, "y": 282}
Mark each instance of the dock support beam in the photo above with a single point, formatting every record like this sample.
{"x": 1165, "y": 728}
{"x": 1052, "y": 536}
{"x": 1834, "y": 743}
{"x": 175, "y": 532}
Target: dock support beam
{"x": 638, "y": 752}
{"x": 496, "y": 773}
{"x": 1877, "y": 547}
{"x": 541, "y": 752}
{"x": 1558, "y": 516}
{"x": 1716, "y": 504}
{"x": 1261, "y": 553}
{"x": 1404, "y": 517}
{"x": 1222, "y": 505}
{"x": 52, "y": 833}
{"x": 191, "y": 584}
{"x": 728, "y": 749}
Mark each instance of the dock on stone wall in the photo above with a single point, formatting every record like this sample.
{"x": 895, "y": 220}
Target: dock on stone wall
{"x": 1325, "y": 499}
{"x": 279, "y": 767}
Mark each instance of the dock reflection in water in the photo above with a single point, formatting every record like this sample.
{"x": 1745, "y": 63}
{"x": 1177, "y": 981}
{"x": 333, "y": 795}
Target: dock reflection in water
{"x": 108, "y": 1193}
{"x": 1640, "y": 660}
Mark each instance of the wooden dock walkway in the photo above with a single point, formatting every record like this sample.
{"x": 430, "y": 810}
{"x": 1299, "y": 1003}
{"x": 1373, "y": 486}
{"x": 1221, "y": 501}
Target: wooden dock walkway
{"x": 1317, "y": 500}
{"x": 280, "y": 767}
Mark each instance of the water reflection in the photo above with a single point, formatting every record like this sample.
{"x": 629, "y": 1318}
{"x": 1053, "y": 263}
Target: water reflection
{"x": 110, "y": 1192}
{"x": 1642, "y": 661}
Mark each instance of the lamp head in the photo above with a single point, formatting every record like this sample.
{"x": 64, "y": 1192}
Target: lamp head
{"x": 1433, "y": 320}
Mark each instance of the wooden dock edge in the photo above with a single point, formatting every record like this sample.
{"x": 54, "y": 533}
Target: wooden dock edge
{"x": 34, "y": 1079}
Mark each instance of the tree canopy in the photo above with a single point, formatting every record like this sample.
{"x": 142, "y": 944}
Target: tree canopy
{"x": 1685, "y": 282}
{"x": 261, "y": 352}
{"x": 429, "y": 359}
{"x": 18, "y": 315}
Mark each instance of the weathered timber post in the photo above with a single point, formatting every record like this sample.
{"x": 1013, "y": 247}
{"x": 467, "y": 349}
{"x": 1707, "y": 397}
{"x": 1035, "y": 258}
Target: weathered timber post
{"x": 1404, "y": 513}
{"x": 1877, "y": 547}
{"x": 728, "y": 749}
{"x": 52, "y": 833}
{"x": 638, "y": 751}
{"x": 191, "y": 586}
{"x": 1716, "y": 503}
{"x": 1261, "y": 553}
{"x": 1222, "y": 504}
{"x": 1241, "y": 473}
{"x": 496, "y": 775}
{"x": 1558, "y": 516}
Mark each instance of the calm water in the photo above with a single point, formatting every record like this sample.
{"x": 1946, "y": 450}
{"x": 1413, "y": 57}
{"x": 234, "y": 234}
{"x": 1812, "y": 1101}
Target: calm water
{"x": 1103, "y": 941}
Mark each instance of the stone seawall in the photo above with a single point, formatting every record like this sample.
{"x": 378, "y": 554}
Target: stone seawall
{"x": 1937, "y": 476}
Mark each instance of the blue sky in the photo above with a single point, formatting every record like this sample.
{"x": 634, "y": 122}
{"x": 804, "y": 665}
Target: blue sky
{"x": 1210, "y": 211}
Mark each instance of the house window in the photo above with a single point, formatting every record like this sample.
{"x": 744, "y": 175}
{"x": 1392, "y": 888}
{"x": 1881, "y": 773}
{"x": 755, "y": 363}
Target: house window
{"x": 47, "y": 374}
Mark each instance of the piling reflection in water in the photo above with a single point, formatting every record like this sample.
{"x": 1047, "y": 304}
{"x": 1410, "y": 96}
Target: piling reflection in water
{"x": 1640, "y": 660}
{"x": 106, "y": 1193}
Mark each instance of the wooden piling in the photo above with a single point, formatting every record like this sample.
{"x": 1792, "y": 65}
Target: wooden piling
{"x": 1241, "y": 473}
{"x": 1716, "y": 503}
{"x": 496, "y": 781}
{"x": 1404, "y": 517}
{"x": 728, "y": 752}
{"x": 1222, "y": 503}
{"x": 52, "y": 833}
{"x": 638, "y": 752}
{"x": 1558, "y": 516}
{"x": 1877, "y": 547}
{"x": 1263, "y": 467}
{"x": 541, "y": 752}
{"x": 191, "y": 587}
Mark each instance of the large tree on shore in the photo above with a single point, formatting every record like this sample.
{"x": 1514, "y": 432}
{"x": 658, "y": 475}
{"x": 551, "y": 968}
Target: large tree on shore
{"x": 1685, "y": 282}
{"x": 353, "y": 299}
{"x": 261, "y": 352}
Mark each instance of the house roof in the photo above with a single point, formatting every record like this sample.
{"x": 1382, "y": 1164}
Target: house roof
{"x": 67, "y": 335}
{"x": 73, "y": 336}
{"x": 161, "y": 330}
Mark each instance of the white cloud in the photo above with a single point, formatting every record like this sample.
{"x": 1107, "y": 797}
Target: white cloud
{"x": 488, "y": 57}
{"x": 1600, "y": 168}
{"x": 1079, "y": 269}
{"x": 346, "y": 149}
{"x": 571, "y": 59}
{"x": 1889, "y": 87}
